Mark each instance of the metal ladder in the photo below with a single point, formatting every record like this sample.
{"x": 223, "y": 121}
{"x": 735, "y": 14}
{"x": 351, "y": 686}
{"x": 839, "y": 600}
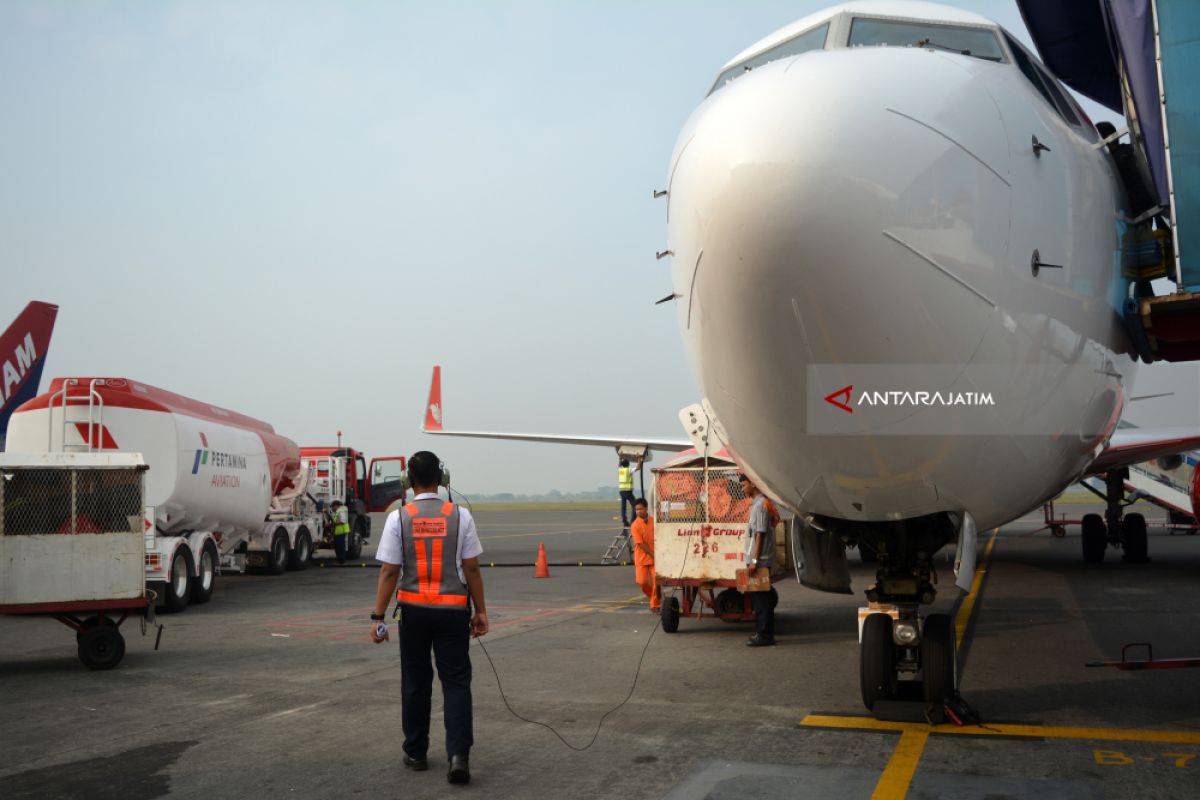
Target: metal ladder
{"x": 94, "y": 421}
{"x": 620, "y": 544}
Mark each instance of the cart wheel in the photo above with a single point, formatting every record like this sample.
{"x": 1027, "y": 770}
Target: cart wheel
{"x": 730, "y": 605}
{"x": 877, "y": 664}
{"x": 101, "y": 647}
{"x": 90, "y": 622}
{"x": 938, "y": 660}
{"x": 1058, "y": 531}
{"x": 670, "y": 615}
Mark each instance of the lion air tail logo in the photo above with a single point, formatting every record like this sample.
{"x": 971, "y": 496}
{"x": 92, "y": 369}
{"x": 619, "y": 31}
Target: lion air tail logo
{"x": 844, "y": 403}
{"x": 22, "y": 355}
{"x": 433, "y": 409}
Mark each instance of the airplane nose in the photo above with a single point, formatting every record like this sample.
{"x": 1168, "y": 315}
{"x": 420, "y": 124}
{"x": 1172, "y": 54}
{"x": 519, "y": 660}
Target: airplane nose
{"x": 825, "y": 227}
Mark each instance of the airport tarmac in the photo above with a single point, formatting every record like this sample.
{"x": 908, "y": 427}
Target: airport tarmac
{"x": 272, "y": 689}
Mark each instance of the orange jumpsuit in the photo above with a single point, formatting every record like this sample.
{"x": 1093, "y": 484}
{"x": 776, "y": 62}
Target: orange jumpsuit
{"x": 642, "y": 532}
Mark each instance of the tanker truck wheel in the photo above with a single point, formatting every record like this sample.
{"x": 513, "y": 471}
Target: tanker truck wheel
{"x": 277, "y": 557}
{"x": 179, "y": 583}
{"x": 355, "y": 545}
{"x": 206, "y": 579}
{"x": 302, "y": 552}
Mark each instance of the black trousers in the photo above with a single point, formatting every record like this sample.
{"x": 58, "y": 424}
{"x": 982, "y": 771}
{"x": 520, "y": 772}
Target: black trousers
{"x": 447, "y": 631}
{"x": 339, "y": 547}
{"x": 764, "y": 614}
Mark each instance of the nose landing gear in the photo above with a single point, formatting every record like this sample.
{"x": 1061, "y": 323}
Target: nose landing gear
{"x": 909, "y": 658}
{"x": 906, "y": 656}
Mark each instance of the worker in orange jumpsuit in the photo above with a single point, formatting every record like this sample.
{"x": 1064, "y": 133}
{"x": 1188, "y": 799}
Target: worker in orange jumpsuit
{"x": 642, "y": 532}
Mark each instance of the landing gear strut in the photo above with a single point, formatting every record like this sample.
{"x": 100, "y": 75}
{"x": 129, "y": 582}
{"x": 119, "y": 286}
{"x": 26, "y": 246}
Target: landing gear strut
{"x": 1127, "y": 531}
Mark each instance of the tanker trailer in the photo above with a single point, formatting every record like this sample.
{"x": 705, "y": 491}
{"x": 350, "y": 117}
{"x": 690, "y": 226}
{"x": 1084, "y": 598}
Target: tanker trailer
{"x": 211, "y": 479}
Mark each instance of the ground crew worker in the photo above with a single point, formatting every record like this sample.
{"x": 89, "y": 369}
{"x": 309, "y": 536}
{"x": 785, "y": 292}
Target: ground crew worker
{"x": 760, "y": 552}
{"x": 625, "y": 487}
{"x": 643, "y": 552}
{"x": 431, "y": 548}
{"x": 341, "y": 529}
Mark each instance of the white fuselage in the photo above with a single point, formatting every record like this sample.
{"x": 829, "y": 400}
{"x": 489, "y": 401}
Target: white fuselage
{"x": 880, "y": 206}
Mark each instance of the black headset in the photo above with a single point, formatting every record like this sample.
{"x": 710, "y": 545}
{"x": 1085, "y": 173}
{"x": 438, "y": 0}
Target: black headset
{"x": 443, "y": 477}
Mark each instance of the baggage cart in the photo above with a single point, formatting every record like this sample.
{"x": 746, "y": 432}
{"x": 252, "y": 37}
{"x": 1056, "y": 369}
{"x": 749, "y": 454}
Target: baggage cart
{"x": 73, "y": 544}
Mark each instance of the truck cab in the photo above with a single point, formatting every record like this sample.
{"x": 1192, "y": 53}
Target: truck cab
{"x": 341, "y": 473}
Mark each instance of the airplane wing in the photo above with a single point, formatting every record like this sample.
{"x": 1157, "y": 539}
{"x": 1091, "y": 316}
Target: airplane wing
{"x": 22, "y": 355}
{"x": 434, "y": 412}
{"x": 1129, "y": 446}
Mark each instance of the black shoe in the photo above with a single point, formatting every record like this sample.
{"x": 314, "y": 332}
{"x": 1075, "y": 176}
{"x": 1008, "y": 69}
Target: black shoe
{"x": 759, "y": 641}
{"x": 416, "y": 764}
{"x": 459, "y": 772}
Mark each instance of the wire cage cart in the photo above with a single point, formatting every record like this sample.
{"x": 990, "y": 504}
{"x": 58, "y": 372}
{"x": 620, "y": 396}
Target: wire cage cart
{"x": 700, "y": 538}
{"x": 73, "y": 543}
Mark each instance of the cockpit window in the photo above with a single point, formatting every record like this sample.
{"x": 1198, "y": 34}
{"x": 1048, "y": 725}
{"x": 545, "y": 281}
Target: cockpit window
{"x": 975, "y": 42}
{"x": 809, "y": 40}
{"x": 1046, "y": 86}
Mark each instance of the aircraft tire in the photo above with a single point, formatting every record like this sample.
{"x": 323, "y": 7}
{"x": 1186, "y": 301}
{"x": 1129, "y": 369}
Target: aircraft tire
{"x": 877, "y": 660}
{"x": 939, "y": 662}
{"x": 1094, "y": 538}
{"x": 1136, "y": 546}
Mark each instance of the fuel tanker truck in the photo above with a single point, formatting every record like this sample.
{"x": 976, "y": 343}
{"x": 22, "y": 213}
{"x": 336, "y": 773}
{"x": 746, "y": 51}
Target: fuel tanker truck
{"x": 223, "y": 491}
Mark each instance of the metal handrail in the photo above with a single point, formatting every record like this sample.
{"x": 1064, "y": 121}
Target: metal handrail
{"x": 95, "y": 403}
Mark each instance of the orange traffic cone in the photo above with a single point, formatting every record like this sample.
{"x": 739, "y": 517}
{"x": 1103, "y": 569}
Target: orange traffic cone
{"x": 543, "y": 568}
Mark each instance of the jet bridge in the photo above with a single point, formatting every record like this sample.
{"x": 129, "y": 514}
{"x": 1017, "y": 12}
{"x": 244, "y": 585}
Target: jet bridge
{"x": 1140, "y": 57}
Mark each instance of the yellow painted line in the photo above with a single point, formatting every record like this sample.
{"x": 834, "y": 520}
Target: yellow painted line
{"x": 898, "y": 774}
{"x": 1024, "y": 731}
{"x": 609, "y": 606}
{"x": 963, "y": 618}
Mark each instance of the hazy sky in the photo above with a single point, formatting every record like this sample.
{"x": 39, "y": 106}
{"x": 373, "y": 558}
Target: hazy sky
{"x": 295, "y": 209}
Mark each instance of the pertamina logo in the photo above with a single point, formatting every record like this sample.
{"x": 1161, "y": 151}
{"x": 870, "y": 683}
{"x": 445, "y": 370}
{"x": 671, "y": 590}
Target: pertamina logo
{"x": 218, "y": 460}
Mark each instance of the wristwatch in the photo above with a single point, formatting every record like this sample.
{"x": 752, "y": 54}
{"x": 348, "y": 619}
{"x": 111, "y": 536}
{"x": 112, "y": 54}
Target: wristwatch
{"x": 377, "y": 617}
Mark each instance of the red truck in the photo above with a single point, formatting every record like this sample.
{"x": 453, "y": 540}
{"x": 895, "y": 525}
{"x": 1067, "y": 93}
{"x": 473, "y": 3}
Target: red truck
{"x": 341, "y": 473}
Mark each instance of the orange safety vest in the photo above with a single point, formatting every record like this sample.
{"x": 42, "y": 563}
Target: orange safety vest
{"x": 772, "y": 511}
{"x": 429, "y": 533}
